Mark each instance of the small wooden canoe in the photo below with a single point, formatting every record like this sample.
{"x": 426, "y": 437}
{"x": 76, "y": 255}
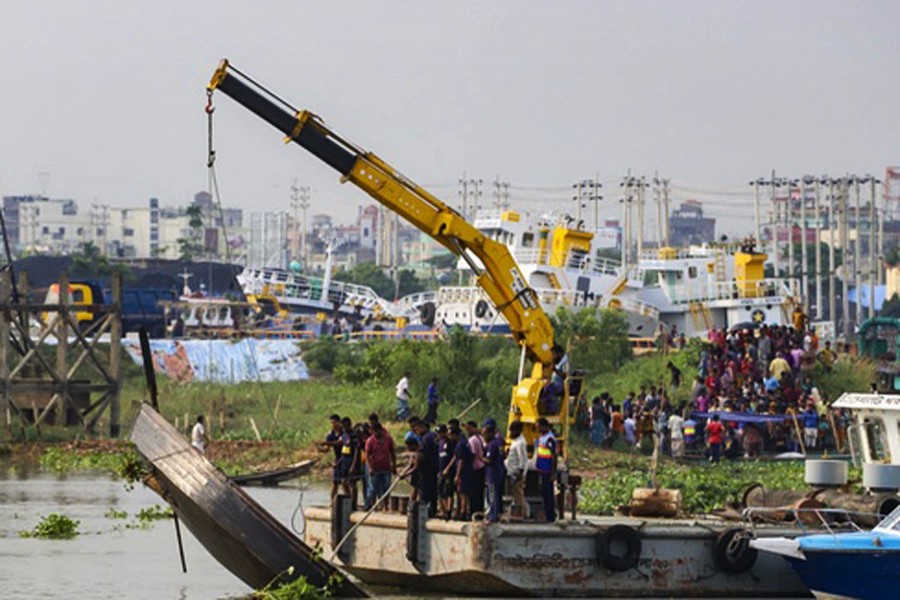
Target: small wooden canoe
{"x": 236, "y": 530}
{"x": 275, "y": 476}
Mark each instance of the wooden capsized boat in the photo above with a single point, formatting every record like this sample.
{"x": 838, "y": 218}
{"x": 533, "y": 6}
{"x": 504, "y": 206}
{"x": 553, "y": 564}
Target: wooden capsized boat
{"x": 275, "y": 476}
{"x": 236, "y": 530}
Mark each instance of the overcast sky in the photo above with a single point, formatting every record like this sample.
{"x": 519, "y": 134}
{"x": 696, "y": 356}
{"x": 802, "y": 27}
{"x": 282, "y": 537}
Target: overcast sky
{"x": 107, "y": 96}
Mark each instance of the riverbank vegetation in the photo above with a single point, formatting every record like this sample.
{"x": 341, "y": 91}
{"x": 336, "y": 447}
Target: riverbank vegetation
{"x": 258, "y": 426}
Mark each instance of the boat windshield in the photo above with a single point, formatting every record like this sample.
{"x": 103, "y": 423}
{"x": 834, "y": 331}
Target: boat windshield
{"x": 891, "y": 522}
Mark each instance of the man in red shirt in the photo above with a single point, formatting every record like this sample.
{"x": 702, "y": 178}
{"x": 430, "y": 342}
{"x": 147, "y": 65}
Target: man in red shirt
{"x": 382, "y": 462}
{"x": 714, "y": 437}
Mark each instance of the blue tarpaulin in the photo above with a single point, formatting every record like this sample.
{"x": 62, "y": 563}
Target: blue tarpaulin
{"x": 880, "y": 292}
{"x": 224, "y": 361}
{"x": 736, "y": 417}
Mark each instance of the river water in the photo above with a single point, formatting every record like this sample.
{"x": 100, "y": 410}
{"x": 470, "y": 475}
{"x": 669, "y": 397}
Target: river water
{"x": 109, "y": 559}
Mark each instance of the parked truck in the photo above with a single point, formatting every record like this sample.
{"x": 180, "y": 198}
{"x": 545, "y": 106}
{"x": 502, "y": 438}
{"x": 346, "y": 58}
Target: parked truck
{"x": 140, "y": 306}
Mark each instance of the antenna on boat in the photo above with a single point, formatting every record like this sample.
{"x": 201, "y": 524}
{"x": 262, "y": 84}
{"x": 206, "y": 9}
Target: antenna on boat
{"x": 185, "y": 288}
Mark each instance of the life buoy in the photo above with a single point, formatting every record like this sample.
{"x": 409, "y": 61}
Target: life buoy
{"x": 427, "y": 313}
{"x": 481, "y": 309}
{"x": 732, "y": 552}
{"x": 619, "y": 547}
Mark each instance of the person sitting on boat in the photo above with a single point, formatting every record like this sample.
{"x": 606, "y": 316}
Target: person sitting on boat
{"x": 333, "y": 441}
{"x": 551, "y": 395}
{"x": 545, "y": 465}
{"x": 199, "y": 439}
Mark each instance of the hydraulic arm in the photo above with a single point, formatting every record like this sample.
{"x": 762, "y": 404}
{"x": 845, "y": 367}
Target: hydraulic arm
{"x": 497, "y": 274}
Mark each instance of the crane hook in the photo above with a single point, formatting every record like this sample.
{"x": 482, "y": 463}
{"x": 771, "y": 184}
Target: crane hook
{"x": 209, "y": 103}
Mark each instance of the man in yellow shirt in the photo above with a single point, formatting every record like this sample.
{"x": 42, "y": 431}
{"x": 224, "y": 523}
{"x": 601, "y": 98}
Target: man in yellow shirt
{"x": 799, "y": 319}
{"x": 779, "y": 366}
{"x": 827, "y": 356}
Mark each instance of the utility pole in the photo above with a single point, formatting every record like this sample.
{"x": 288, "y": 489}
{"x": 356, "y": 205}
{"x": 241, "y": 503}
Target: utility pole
{"x": 641, "y": 185}
{"x": 475, "y": 184}
{"x": 820, "y": 310}
{"x": 882, "y": 215}
{"x": 857, "y": 251}
{"x": 587, "y": 189}
{"x": 665, "y": 183}
{"x": 845, "y": 300}
{"x": 789, "y": 214}
{"x": 873, "y": 263}
{"x": 596, "y": 198}
{"x": 295, "y": 205}
{"x": 758, "y": 182}
{"x": 804, "y": 263}
{"x": 832, "y": 269}
{"x": 578, "y": 187}
{"x": 657, "y": 199}
{"x": 464, "y": 196}
{"x": 501, "y": 194}
{"x": 496, "y": 193}
{"x": 626, "y": 185}
{"x": 776, "y": 222}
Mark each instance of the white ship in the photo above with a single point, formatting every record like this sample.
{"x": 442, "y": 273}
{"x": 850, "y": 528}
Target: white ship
{"x": 694, "y": 289}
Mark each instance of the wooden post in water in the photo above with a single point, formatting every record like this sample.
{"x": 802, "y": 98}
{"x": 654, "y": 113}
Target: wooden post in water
{"x": 60, "y": 399}
{"x": 115, "y": 356}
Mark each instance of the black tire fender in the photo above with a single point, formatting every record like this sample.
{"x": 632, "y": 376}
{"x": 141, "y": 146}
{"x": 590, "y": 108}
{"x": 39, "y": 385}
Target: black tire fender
{"x": 610, "y": 544}
{"x": 481, "y": 308}
{"x": 732, "y": 552}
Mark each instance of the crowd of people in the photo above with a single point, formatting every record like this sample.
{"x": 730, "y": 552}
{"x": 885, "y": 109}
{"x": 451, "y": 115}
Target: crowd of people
{"x": 753, "y": 392}
{"x": 457, "y": 469}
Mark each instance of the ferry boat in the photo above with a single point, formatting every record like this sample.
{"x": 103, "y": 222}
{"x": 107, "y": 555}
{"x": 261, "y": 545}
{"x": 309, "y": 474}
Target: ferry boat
{"x": 693, "y": 289}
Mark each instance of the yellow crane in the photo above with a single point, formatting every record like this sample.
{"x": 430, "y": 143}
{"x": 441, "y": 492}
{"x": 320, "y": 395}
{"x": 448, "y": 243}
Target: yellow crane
{"x": 496, "y": 269}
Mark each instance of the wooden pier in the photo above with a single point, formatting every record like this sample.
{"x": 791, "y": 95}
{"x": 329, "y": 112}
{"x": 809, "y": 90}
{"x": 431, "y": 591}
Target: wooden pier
{"x": 73, "y": 384}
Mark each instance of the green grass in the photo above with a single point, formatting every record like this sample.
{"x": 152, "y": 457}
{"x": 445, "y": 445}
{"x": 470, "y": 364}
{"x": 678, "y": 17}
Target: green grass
{"x": 704, "y": 487}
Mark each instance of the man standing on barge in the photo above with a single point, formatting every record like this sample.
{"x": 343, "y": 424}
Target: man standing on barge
{"x": 545, "y": 465}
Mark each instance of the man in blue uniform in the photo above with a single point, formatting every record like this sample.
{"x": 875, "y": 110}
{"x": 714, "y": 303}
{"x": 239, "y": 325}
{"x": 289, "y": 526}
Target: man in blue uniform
{"x": 545, "y": 465}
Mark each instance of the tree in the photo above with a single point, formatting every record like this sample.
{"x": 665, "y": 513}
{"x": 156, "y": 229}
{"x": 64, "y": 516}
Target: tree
{"x": 191, "y": 247}
{"x": 891, "y": 307}
{"x": 89, "y": 262}
{"x": 370, "y": 275}
{"x": 598, "y": 340}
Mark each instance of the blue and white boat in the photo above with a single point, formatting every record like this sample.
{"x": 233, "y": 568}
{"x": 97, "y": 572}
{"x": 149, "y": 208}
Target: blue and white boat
{"x": 864, "y": 564}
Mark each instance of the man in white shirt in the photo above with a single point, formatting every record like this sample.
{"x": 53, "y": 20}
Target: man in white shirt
{"x": 403, "y": 412}
{"x": 676, "y": 434}
{"x": 199, "y": 440}
{"x": 517, "y": 468}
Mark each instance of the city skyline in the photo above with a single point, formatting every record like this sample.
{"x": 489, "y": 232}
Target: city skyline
{"x": 109, "y": 98}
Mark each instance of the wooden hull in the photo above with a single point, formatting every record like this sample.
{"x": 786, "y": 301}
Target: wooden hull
{"x": 236, "y": 530}
{"x": 276, "y": 476}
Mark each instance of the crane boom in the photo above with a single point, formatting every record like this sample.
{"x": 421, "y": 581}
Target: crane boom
{"x": 500, "y": 276}
{"x": 497, "y": 274}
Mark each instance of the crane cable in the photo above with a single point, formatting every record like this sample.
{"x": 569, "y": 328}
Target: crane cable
{"x": 214, "y": 189}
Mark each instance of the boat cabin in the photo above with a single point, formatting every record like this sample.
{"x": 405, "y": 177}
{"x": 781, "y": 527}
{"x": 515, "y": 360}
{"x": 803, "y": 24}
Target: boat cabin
{"x": 875, "y": 432}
